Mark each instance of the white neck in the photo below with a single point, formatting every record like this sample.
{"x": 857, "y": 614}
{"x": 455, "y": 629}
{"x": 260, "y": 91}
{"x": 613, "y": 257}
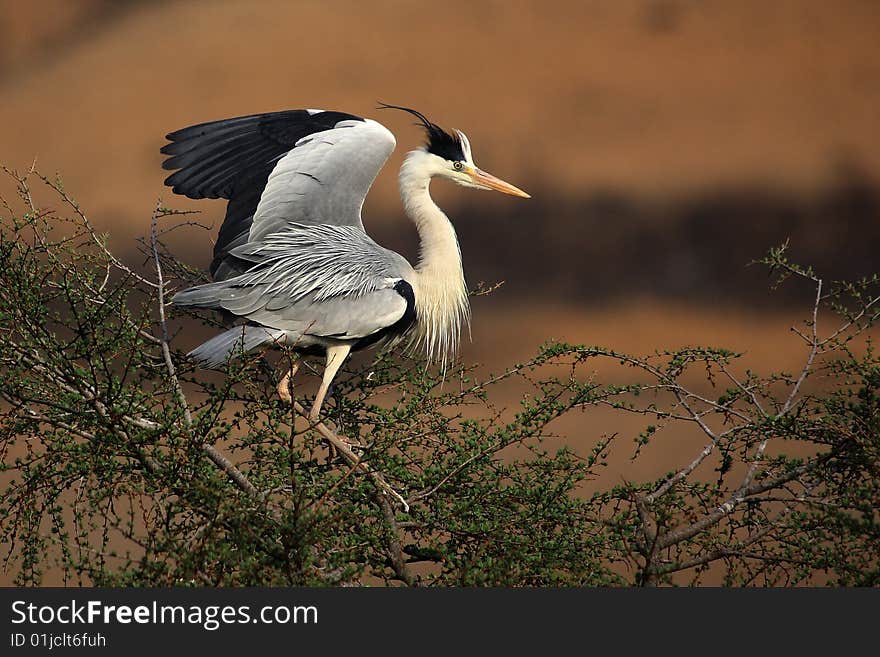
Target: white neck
{"x": 442, "y": 308}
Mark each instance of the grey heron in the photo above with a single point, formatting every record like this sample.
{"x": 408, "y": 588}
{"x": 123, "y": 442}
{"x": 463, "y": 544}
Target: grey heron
{"x": 292, "y": 258}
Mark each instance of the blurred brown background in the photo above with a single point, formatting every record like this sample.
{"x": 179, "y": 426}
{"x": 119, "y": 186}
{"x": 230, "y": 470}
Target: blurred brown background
{"x": 666, "y": 143}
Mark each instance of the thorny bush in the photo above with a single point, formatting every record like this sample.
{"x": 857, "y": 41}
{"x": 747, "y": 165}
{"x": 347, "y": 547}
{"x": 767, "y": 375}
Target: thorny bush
{"x": 122, "y": 465}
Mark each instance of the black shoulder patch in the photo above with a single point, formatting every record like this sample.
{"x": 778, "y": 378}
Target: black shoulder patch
{"x": 405, "y": 290}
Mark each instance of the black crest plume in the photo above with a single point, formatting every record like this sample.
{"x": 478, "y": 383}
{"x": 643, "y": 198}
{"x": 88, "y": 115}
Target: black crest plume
{"x": 440, "y": 142}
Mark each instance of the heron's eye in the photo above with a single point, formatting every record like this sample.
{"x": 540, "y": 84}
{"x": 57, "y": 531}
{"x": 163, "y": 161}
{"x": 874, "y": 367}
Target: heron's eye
{"x": 458, "y": 166}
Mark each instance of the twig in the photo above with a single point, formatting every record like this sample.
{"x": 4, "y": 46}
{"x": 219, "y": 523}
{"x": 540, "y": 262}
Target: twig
{"x": 736, "y": 550}
{"x": 482, "y": 288}
{"x": 166, "y": 350}
{"x": 148, "y": 461}
{"x": 852, "y": 321}
{"x": 353, "y": 459}
{"x": 236, "y": 475}
{"x": 398, "y": 561}
{"x": 427, "y": 493}
{"x": 92, "y": 232}
{"x": 336, "y": 484}
{"x": 813, "y": 349}
{"x": 747, "y": 390}
{"x": 681, "y": 474}
{"x": 684, "y": 533}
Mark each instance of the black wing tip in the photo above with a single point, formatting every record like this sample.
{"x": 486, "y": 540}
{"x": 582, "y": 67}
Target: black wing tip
{"x": 180, "y": 187}
{"x": 263, "y": 136}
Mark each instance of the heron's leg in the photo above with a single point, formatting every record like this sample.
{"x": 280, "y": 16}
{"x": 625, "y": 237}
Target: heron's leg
{"x": 285, "y": 385}
{"x": 336, "y": 355}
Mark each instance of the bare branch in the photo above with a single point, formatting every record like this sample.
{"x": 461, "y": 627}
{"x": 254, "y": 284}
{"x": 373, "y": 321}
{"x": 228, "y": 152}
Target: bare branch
{"x": 814, "y": 348}
{"x": 236, "y": 475}
{"x": 737, "y": 548}
{"x": 92, "y": 232}
{"x": 398, "y": 561}
{"x": 691, "y": 530}
{"x": 353, "y": 459}
{"x": 681, "y": 474}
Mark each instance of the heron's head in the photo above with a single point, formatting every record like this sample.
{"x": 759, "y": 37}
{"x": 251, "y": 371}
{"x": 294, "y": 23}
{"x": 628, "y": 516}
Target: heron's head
{"x": 449, "y": 156}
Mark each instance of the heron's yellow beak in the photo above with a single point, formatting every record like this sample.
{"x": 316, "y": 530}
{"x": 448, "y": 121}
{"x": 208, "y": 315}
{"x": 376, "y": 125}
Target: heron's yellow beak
{"x": 488, "y": 181}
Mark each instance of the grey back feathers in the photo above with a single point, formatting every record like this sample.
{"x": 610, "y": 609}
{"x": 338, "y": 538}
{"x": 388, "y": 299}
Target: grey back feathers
{"x": 319, "y": 262}
{"x": 292, "y": 256}
{"x": 313, "y": 282}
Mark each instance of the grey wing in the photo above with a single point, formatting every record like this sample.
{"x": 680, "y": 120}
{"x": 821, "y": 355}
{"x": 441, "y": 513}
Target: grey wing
{"x": 324, "y": 179}
{"x": 340, "y": 318}
{"x": 315, "y": 281}
{"x": 309, "y": 166}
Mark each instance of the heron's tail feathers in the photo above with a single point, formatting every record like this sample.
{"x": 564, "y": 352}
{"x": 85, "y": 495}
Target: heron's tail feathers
{"x": 236, "y": 341}
{"x": 200, "y": 296}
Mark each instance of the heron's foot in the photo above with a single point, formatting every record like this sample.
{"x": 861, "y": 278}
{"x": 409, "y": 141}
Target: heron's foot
{"x": 285, "y": 387}
{"x": 351, "y": 443}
